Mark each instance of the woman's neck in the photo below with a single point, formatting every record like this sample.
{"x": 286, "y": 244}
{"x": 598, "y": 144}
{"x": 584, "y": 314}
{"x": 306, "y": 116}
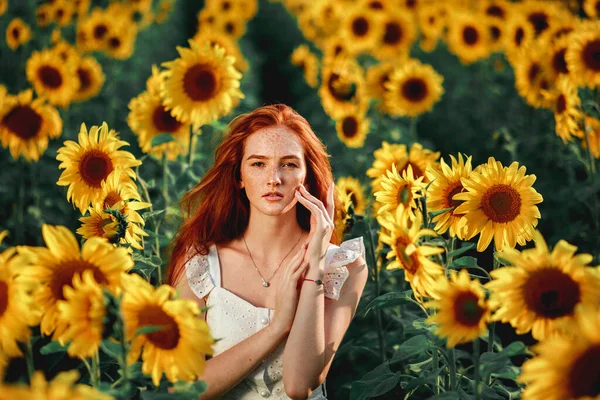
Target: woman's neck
{"x": 271, "y": 237}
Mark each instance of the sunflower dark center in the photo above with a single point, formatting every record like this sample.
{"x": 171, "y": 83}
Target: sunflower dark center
{"x": 411, "y": 3}
{"x": 360, "y": 26}
{"x": 591, "y": 55}
{"x": 226, "y": 6}
{"x": 539, "y": 20}
{"x": 501, "y": 203}
{"x": 519, "y": 36}
{"x": 100, "y": 31}
{"x": 470, "y": 35}
{"x": 392, "y": 33}
{"x": 168, "y": 337}
{"x": 431, "y": 20}
{"x": 3, "y": 298}
{"x": 337, "y": 50}
{"x": 495, "y": 32}
{"x": 64, "y": 273}
{"x": 414, "y": 90}
{"x": 376, "y": 5}
{"x": 350, "y": 127}
{"x": 597, "y": 7}
{"x": 451, "y": 191}
{"x": 551, "y": 293}
{"x": 409, "y": 262}
{"x": 495, "y": 11}
{"x": 201, "y": 82}
{"x": 534, "y": 71}
{"x": 561, "y": 104}
{"x": 229, "y": 28}
{"x": 385, "y": 78}
{"x": 164, "y": 121}
{"x": 114, "y": 42}
{"x": 94, "y": 167}
{"x": 404, "y": 195}
{"x": 23, "y": 121}
{"x": 584, "y": 375}
{"x": 16, "y": 32}
{"x": 467, "y": 311}
{"x": 559, "y": 62}
{"x": 417, "y": 172}
{"x": 50, "y": 76}
{"x": 340, "y": 89}
{"x": 562, "y": 31}
{"x": 85, "y": 79}
{"x": 111, "y": 199}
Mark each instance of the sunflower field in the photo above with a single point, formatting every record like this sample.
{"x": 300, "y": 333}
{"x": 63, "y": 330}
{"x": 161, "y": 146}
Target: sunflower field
{"x": 464, "y": 138}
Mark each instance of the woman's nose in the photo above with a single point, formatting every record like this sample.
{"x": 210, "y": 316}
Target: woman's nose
{"x": 274, "y": 178}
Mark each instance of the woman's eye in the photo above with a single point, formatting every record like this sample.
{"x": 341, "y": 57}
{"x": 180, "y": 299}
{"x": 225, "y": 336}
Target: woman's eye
{"x": 255, "y": 164}
{"x": 291, "y": 165}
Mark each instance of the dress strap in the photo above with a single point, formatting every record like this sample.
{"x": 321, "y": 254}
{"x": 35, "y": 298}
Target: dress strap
{"x": 214, "y": 265}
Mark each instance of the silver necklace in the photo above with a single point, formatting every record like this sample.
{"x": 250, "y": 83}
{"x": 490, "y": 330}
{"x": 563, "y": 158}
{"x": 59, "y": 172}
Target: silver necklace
{"x": 266, "y": 283}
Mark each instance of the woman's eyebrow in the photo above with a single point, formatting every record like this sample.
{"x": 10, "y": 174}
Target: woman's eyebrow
{"x": 261, "y": 157}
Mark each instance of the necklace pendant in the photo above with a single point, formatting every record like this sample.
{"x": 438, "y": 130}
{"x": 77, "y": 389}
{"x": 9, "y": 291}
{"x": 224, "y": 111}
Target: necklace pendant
{"x": 266, "y": 284}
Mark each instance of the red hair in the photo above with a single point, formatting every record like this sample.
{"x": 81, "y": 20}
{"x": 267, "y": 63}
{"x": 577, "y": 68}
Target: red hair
{"x": 217, "y": 211}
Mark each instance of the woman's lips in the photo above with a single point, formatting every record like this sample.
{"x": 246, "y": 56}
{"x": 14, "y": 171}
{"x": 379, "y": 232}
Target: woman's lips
{"x": 273, "y": 197}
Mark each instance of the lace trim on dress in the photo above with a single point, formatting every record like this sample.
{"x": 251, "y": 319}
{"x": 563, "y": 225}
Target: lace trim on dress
{"x": 336, "y": 272}
{"x": 198, "y": 274}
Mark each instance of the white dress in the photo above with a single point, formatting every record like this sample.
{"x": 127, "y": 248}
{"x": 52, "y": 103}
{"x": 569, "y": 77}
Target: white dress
{"x": 233, "y": 319}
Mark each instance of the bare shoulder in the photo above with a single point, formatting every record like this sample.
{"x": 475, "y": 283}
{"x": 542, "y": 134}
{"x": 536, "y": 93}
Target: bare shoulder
{"x": 358, "y": 272}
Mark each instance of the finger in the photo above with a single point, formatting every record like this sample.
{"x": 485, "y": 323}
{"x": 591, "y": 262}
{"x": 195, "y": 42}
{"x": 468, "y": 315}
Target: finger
{"x": 330, "y": 202}
{"x": 317, "y": 202}
{"x": 289, "y": 206}
{"x": 300, "y": 270}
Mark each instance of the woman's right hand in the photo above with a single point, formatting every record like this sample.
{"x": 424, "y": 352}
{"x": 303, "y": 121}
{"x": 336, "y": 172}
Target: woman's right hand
{"x": 286, "y": 299}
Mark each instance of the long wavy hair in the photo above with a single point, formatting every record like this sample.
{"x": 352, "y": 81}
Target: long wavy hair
{"x": 217, "y": 211}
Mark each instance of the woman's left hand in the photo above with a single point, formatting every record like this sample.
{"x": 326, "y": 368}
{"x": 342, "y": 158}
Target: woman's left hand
{"x": 321, "y": 222}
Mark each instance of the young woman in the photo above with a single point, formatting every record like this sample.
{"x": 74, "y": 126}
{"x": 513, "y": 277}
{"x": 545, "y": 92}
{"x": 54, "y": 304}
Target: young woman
{"x": 258, "y": 249}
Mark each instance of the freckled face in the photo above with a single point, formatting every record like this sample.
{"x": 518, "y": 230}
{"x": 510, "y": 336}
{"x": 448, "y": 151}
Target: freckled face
{"x": 273, "y": 160}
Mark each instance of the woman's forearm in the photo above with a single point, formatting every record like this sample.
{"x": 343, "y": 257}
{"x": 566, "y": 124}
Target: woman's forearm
{"x": 304, "y": 354}
{"x": 225, "y": 371}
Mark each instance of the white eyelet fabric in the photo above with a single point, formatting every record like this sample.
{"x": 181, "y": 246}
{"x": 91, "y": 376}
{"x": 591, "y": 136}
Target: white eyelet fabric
{"x": 232, "y": 319}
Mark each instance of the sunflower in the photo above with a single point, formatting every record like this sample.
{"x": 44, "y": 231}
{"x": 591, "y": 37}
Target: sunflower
{"x": 412, "y": 89}
{"x": 418, "y": 158}
{"x": 122, "y": 224}
{"x": 583, "y": 55}
{"x": 231, "y": 47}
{"x": 592, "y": 8}
{"x": 334, "y": 47}
{"x": 344, "y": 212}
{"x": 66, "y": 52}
{"x": 328, "y": 17}
{"x": 566, "y": 367}
{"x": 18, "y": 311}
{"x": 405, "y": 232}
{"x": 17, "y": 33}
{"x": 557, "y": 60}
{"x": 428, "y": 44}
{"x": 468, "y": 37}
{"x": 540, "y": 289}
{"x": 462, "y": 312}
{"x": 92, "y": 160}
{"x": 308, "y": 63}
{"x": 165, "y": 7}
{"x": 397, "y": 33}
{"x": 352, "y": 187}
{"x": 342, "y": 89}
{"x": 149, "y": 118}
{"x": 377, "y": 77}
{"x": 202, "y": 85}
{"x": 3, "y": 6}
{"x": 178, "y": 348}
{"x": 497, "y": 9}
{"x": 445, "y": 183}
{"x": 81, "y": 316}
{"x": 432, "y": 21}
{"x": 592, "y": 126}
{"x": 567, "y": 109}
{"x": 120, "y": 40}
{"x": 499, "y": 203}
{"x": 540, "y": 14}
{"x": 51, "y": 77}
{"x": 399, "y": 190}
{"x": 61, "y": 387}
{"x": 361, "y": 28}
{"x": 53, "y": 268}
{"x": 231, "y": 26}
{"x": 519, "y": 33}
{"x": 532, "y": 78}
{"x": 496, "y": 34}
{"x": 26, "y": 125}
{"x": 95, "y": 28}
{"x": 91, "y": 79}
{"x": 352, "y": 128}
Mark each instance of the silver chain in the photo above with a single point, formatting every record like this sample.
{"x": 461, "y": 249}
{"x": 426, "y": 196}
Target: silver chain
{"x": 267, "y": 283}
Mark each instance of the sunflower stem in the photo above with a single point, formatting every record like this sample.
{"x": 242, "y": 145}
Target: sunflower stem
{"x": 380, "y": 336}
{"x": 412, "y": 130}
{"x": 589, "y": 149}
{"x": 29, "y": 359}
{"x": 125, "y": 352}
{"x": 435, "y": 366}
{"x": 452, "y": 369}
{"x": 476, "y": 367}
{"x": 492, "y": 336}
{"x": 165, "y": 182}
{"x": 95, "y": 372}
{"x": 192, "y": 148}
{"x": 449, "y": 251}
